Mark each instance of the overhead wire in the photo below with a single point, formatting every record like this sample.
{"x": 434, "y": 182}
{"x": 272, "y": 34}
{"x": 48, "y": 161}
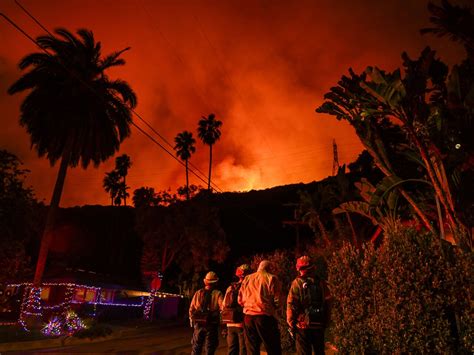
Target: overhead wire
{"x": 92, "y": 90}
{"x": 194, "y": 84}
{"x": 133, "y": 111}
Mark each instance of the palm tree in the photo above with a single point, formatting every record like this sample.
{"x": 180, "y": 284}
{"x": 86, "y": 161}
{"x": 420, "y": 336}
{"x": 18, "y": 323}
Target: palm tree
{"x": 122, "y": 164}
{"x": 184, "y": 149}
{"x": 111, "y": 184}
{"x": 453, "y": 21}
{"x": 209, "y": 133}
{"x": 73, "y": 111}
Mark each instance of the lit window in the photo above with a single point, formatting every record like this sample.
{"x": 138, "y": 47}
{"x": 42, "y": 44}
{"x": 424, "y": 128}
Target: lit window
{"x": 90, "y": 296}
{"x": 45, "y": 293}
{"x": 80, "y": 294}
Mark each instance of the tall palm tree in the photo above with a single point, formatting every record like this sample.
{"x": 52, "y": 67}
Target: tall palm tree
{"x": 122, "y": 164}
{"x": 209, "y": 133}
{"x": 73, "y": 111}
{"x": 184, "y": 149}
{"x": 111, "y": 184}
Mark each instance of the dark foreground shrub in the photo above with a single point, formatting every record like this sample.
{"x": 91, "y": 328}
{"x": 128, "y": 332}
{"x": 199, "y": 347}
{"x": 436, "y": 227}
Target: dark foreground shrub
{"x": 412, "y": 295}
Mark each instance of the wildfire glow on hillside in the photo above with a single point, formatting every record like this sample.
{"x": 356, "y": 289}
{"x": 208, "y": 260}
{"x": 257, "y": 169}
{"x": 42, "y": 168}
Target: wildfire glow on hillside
{"x": 261, "y": 66}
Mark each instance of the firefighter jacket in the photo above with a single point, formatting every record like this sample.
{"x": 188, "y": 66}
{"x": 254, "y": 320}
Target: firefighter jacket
{"x": 259, "y": 294}
{"x": 301, "y": 301}
{"x": 231, "y": 301}
{"x": 198, "y": 301}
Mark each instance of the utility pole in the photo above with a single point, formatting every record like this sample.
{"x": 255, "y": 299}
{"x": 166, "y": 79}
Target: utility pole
{"x": 296, "y": 223}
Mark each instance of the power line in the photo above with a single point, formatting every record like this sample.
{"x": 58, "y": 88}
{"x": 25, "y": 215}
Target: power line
{"x": 226, "y": 74}
{"x": 131, "y": 109}
{"x": 90, "y": 88}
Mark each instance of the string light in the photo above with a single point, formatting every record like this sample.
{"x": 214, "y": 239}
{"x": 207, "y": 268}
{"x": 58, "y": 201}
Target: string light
{"x": 111, "y": 304}
{"x": 21, "y": 320}
{"x": 69, "y": 324}
{"x": 53, "y": 327}
{"x": 149, "y": 305}
{"x": 31, "y": 304}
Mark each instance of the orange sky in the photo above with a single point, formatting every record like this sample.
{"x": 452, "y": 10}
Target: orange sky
{"x": 261, "y": 65}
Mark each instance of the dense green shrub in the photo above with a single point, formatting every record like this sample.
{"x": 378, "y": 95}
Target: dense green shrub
{"x": 350, "y": 290}
{"x": 412, "y": 295}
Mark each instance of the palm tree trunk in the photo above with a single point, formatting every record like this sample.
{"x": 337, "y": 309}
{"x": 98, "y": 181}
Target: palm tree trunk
{"x": 51, "y": 218}
{"x": 29, "y": 313}
{"x": 187, "y": 181}
{"x": 210, "y": 166}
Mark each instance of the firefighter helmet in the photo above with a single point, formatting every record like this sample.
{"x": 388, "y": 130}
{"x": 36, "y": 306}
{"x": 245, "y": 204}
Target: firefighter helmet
{"x": 303, "y": 263}
{"x": 243, "y": 270}
{"x": 211, "y": 277}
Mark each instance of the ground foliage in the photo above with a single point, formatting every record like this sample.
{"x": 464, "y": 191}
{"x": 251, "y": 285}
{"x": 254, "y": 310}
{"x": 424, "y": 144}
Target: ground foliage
{"x": 186, "y": 235}
{"x": 409, "y": 296}
{"x": 19, "y": 219}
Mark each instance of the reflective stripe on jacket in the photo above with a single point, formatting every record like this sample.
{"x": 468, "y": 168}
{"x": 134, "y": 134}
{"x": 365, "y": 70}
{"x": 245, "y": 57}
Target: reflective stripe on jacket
{"x": 228, "y": 300}
{"x": 259, "y": 294}
{"x": 198, "y": 301}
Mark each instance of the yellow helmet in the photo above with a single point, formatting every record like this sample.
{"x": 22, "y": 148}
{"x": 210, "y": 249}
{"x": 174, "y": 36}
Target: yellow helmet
{"x": 211, "y": 277}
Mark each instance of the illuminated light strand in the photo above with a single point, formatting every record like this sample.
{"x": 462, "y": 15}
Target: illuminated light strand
{"x": 32, "y": 305}
{"x": 67, "y": 284}
{"x": 53, "y": 327}
{"x": 21, "y": 320}
{"x": 58, "y": 306}
{"x": 33, "y": 302}
{"x": 69, "y": 324}
{"x": 149, "y": 305}
{"x": 86, "y": 287}
{"x": 110, "y": 304}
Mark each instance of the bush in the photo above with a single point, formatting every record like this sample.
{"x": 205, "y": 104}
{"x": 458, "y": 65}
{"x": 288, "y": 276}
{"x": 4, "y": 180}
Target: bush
{"x": 412, "y": 295}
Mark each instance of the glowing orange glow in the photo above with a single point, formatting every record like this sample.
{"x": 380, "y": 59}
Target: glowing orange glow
{"x": 261, "y": 66}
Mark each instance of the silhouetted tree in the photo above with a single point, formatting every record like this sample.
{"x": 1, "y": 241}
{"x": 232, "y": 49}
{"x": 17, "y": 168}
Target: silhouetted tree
{"x": 122, "y": 193}
{"x": 209, "y": 132}
{"x": 111, "y": 184}
{"x": 184, "y": 149}
{"x": 145, "y": 197}
{"x": 188, "y": 235}
{"x": 428, "y": 108}
{"x": 166, "y": 198}
{"x": 192, "y": 189}
{"x": 18, "y": 219}
{"x": 453, "y": 21}
{"x": 73, "y": 111}
{"x": 122, "y": 164}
